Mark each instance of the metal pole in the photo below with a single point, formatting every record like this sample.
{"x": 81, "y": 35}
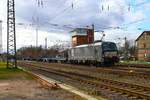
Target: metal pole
{"x": 93, "y": 28}
{"x": 37, "y": 36}
{"x": 126, "y": 51}
{"x": 37, "y": 30}
{"x": 11, "y": 35}
{"x": 45, "y": 43}
{"x": 1, "y": 42}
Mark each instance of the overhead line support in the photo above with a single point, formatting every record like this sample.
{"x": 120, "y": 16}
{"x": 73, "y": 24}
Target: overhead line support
{"x": 11, "y": 35}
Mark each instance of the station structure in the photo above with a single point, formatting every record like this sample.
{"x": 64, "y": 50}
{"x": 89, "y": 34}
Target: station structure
{"x": 82, "y": 36}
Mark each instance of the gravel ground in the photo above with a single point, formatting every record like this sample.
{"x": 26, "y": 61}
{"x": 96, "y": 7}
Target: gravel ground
{"x": 117, "y": 77}
{"x": 102, "y": 92}
{"x": 31, "y": 90}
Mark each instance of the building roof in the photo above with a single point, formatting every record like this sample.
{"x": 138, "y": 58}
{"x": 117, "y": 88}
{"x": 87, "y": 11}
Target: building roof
{"x": 79, "y": 29}
{"x": 79, "y": 32}
{"x": 79, "y": 35}
{"x": 142, "y": 34}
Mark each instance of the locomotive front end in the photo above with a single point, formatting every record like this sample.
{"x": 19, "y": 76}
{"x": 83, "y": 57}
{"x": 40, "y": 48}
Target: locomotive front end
{"x": 110, "y": 52}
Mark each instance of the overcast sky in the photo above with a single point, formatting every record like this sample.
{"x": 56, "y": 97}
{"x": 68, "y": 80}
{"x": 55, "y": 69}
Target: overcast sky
{"x": 55, "y": 18}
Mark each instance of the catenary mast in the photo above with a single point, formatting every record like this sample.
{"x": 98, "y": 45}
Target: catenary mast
{"x": 11, "y": 35}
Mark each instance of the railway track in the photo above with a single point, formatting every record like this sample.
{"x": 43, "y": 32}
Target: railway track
{"x": 126, "y": 72}
{"x": 135, "y": 65}
{"x": 142, "y": 70}
{"x": 130, "y": 90}
{"x": 122, "y": 71}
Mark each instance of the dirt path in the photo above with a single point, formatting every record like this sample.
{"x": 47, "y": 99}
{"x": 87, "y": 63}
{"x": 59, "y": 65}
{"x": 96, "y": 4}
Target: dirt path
{"x": 31, "y": 90}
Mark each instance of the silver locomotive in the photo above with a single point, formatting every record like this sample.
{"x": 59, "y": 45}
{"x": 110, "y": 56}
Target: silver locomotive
{"x": 96, "y": 53}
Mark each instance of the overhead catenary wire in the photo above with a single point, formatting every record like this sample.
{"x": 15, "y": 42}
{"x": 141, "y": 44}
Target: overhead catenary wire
{"x": 57, "y": 14}
{"x": 140, "y": 4}
{"x": 72, "y": 6}
{"x": 64, "y": 10}
{"x": 130, "y": 5}
{"x": 59, "y": 4}
{"x": 64, "y": 27}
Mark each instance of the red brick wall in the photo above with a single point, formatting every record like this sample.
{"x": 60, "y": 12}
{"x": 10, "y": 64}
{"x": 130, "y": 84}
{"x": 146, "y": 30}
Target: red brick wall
{"x": 79, "y": 40}
{"x": 90, "y": 36}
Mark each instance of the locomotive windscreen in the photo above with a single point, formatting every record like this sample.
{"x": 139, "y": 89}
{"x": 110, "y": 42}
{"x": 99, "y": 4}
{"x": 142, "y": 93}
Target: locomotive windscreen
{"x": 109, "y": 46}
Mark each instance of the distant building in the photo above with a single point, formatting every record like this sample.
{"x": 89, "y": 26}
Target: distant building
{"x": 1, "y": 49}
{"x": 143, "y": 46}
{"x": 82, "y": 36}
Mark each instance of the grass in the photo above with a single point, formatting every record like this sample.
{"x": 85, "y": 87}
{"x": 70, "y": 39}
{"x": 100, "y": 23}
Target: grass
{"x": 6, "y": 73}
{"x": 3, "y": 64}
{"x": 135, "y": 62}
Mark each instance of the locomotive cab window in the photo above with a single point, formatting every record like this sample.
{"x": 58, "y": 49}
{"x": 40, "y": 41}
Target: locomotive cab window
{"x": 108, "y": 46}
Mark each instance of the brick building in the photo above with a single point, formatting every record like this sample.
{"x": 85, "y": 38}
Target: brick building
{"x": 82, "y": 36}
{"x": 143, "y": 46}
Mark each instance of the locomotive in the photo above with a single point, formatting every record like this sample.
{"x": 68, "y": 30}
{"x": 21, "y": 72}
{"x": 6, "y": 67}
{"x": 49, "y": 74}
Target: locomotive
{"x": 96, "y": 53}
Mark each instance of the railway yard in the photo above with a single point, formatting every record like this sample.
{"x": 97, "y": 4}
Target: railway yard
{"x": 74, "y": 50}
{"x": 112, "y": 82}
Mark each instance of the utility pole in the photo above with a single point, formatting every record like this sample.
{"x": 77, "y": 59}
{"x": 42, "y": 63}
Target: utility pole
{"x": 36, "y": 23}
{"x": 37, "y": 36}
{"x": 37, "y": 31}
{"x": 1, "y": 47}
{"x": 126, "y": 48}
{"x": 93, "y": 28}
{"x": 45, "y": 43}
{"x": 11, "y": 35}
